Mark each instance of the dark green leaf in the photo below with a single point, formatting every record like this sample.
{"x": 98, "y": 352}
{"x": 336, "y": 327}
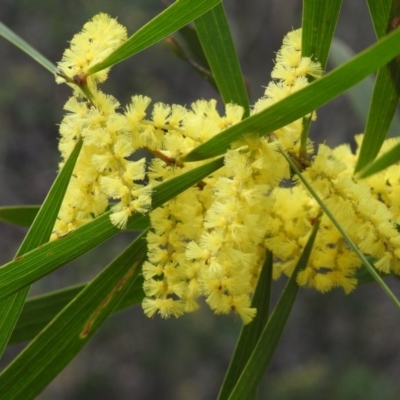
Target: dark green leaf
{"x": 39, "y": 311}
{"x": 39, "y": 233}
{"x": 48, "y": 354}
{"x": 262, "y": 353}
{"x": 19, "y": 215}
{"x": 387, "y": 86}
{"x": 250, "y": 333}
{"x": 318, "y": 26}
{"x": 218, "y": 46}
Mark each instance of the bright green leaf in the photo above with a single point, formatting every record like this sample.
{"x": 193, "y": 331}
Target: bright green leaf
{"x": 305, "y": 100}
{"x": 359, "y": 95}
{"x": 385, "y": 161}
{"x": 177, "y": 15}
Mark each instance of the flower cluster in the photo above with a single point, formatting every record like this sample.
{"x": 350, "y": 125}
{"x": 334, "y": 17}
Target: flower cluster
{"x": 211, "y": 240}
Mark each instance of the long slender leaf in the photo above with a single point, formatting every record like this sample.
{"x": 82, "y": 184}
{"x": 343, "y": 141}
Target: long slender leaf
{"x": 41, "y": 361}
{"x": 39, "y": 233}
{"x": 352, "y": 245}
{"x": 385, "y": 161}
{"x": 216, "y": 40}
{"x": 379, "y": 11}
{"x": 192, "y": 42}
{"x": 318, "y": 26}
{"x": 387, "y": 87}
{"x": 172, "y": 19}
{"x": 262, "y": 354}
{"x": 24, "y": 216}
{"x": 47, "y": 258}
{"x": 250, "y": 333}
{"x": 305, "y": 100}
{"x": 40, "y": 310}
{"x": 359, "y": 95}
{"x": 18, "y": 215}
{"x": 17, "y": 41}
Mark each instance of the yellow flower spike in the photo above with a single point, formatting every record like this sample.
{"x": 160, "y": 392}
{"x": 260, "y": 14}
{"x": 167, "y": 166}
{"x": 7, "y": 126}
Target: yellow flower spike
{"x": 98, "y": 38}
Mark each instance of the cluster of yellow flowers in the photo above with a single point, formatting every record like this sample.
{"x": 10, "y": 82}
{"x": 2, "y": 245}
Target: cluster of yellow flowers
{"x": 211, "y": 240}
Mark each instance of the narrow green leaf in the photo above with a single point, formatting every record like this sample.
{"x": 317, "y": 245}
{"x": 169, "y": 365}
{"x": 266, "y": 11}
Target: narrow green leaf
{"x": 18, "y": 215}
{"x": 17, "y": 41}
{"x": 177, "y": 15}
{"x": 385, "y": 161}
{"x": 24, "y": 216}
{"x": 318, "y": 26}
{"x": 48, "y": 354}
{"x": 39, "y": 233}
{"x": 216, "y": 40}
{"x": 262, "y": 354}
{"x": 359, "y": 95}
{"x": 250, "y": 333}
{"x": 387, "y": 87}
{"x": 352, "y": 245}
{"x": 305, "y": 100}
{"x": 192, "y": 42}
{"x": 47, "y": 258}
{"x": 40, "y": 310}
{"x": 379, "y": 11}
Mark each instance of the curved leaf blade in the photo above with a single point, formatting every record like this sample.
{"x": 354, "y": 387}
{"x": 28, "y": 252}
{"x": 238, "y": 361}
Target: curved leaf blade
{"x": 305, "y": 100}
{"x": 169, "y": 21}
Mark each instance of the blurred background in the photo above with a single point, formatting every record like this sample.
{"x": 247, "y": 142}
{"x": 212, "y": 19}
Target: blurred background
{"x": 335, "y": 346}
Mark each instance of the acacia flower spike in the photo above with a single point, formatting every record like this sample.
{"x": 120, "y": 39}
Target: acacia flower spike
{"x": 210, "y": 241}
